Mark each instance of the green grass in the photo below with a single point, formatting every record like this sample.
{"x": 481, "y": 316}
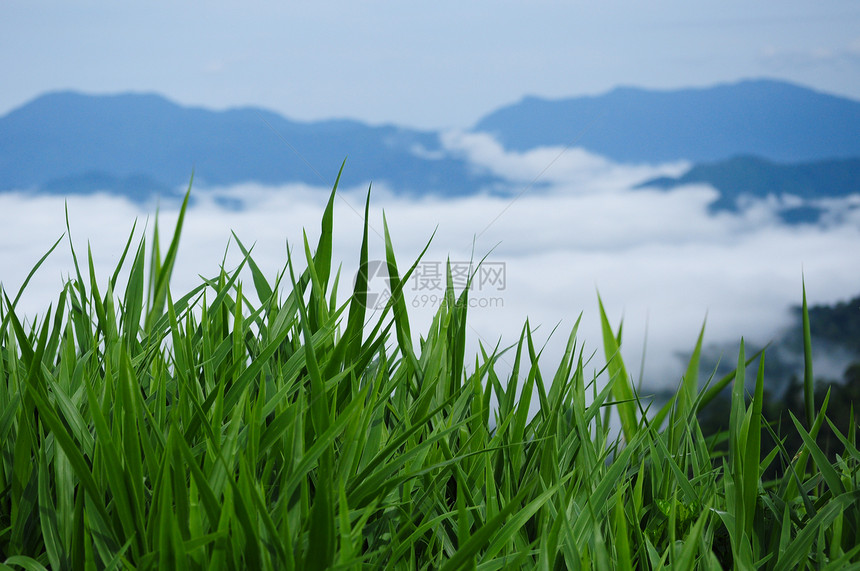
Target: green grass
{"x": 147, "y": 429}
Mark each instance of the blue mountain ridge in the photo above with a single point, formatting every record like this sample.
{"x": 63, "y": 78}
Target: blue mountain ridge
{"x": 772, "y": 119}
{"x": 748, "y": 176}
{"x": 140, "y": 145}
{"x": 65, "y": 141}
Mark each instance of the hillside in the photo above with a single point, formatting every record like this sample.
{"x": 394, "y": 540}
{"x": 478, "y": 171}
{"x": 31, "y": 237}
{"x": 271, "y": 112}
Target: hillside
{"x": 138, "y": 145}
{"x": 835, "y": 344}
{"x": 60, "y": 140}
{"x": 771, "y": 119}
{"x": 746, "y": 176}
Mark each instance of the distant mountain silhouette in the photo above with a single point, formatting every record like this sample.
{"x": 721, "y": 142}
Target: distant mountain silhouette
{"x": 65, "y": 141}
{"x": 137, "y": 188}
{"x": 140, "y": 145}
{"x": 771, "y": 119}
{"x": 746, "y": 176}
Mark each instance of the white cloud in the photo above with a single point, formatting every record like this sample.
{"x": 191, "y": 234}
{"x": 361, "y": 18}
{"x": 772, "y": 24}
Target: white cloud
{"x": 785, "y": 58}
{"x": 657, "y": 258}
{"x": 581, "y": 170}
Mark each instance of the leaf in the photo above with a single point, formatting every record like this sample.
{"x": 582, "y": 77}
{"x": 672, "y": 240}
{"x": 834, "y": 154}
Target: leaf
{"x": 621, "y": 387}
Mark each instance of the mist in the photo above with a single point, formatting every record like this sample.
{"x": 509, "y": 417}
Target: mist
{"x": 571, "y": 227}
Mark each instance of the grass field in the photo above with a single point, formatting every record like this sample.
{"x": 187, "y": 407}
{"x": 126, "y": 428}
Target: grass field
{"x": 268, "y": 425}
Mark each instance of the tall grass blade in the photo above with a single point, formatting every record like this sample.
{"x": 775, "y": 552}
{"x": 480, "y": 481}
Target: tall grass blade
{"x": 622, "y": 389}
{"x": 165, "y": 269}
{"x": 808, "y": 377}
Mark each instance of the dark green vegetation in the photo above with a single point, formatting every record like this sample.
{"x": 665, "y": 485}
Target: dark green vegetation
{"x": 144, "y": 429}
{"x": 838, "y": 324}
{"x": 835, "y": 326}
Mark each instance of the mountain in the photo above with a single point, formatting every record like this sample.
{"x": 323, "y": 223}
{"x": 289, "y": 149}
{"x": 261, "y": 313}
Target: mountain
{"x": 835, "y": 345}
{"x": 138, "y": 145}
{"x": 771, "y": 119}
{"x": 747, "y": 176}
{"x": 67, "y": 142}
{"x": 835, "y": 336}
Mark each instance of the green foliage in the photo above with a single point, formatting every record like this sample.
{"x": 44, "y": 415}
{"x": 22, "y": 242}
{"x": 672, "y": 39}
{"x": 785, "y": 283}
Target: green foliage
{"x": 838, "y": 324}
{"x": 141, "y": 430}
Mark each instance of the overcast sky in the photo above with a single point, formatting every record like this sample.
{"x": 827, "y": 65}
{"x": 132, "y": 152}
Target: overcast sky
{"x": 436, "y": 65}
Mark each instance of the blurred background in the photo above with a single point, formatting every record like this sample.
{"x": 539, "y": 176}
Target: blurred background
{"x": 687, "y": 161}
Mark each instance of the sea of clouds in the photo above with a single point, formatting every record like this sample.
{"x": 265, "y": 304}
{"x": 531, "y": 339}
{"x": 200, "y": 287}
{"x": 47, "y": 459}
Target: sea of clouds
{"x": 572, "y": 226}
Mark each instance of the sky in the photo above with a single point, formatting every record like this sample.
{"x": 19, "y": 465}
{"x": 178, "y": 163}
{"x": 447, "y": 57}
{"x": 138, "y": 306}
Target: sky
{"x": 441, "y": 65}
{"x": 659, "y": 260}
